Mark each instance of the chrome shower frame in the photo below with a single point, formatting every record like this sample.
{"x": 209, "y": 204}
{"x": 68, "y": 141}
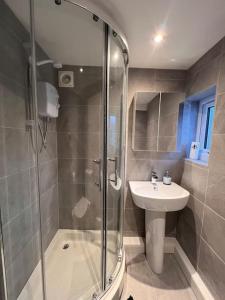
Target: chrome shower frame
{"x": 124, "y": 49}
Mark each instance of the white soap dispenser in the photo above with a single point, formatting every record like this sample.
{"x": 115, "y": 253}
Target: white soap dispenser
{"x": 167, "y": 178}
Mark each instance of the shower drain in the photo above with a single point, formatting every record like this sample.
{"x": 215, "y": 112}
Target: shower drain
{"x": 66, "y": 246}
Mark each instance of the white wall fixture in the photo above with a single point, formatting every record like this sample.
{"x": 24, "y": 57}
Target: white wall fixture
{"x": 66, "y": 79}
{"x": 48, "y": 100}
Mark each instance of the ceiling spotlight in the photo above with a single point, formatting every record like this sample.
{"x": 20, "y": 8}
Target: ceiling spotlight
{"x": 81, "y": 70}
{"x": 172, "y": 59}
{"x": 158, "y": 38}
{"x": 116, "y": 56}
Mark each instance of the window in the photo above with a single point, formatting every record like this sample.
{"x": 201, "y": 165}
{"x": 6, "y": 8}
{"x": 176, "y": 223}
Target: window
{"x": 205, "y": 124}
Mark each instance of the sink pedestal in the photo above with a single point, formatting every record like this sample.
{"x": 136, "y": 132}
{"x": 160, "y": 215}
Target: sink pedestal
{"x": 155, "y": 235}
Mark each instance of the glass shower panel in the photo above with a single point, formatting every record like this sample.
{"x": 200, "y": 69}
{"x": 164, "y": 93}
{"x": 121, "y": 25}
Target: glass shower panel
{"x": 69, "y": 46}
{"x": 18, "y": 172}
{"x": 114, "y": 151}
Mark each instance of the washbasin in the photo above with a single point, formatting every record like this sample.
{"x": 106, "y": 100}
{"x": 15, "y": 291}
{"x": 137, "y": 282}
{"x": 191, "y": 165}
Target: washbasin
{"x": 157, "y": 199}
{"x": 158, "y": 196}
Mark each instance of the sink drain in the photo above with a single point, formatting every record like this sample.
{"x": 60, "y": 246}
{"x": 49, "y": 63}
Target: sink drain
{"x": 66, "y": 246}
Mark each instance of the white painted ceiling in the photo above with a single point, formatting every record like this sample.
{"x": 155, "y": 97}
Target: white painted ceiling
{"x": 191, "y": 28}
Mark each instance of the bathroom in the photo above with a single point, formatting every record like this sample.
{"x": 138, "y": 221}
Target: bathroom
{"x": 112, "y": 140}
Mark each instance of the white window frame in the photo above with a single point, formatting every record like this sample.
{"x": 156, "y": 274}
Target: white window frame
{"x": 204, "y": 105}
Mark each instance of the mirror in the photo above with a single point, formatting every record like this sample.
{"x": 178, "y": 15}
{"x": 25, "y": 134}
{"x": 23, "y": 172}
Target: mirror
{"x": 156, "y": 117}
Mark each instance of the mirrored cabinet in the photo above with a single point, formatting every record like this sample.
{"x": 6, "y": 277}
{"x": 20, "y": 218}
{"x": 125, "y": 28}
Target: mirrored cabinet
{"x": 156, "y": 116}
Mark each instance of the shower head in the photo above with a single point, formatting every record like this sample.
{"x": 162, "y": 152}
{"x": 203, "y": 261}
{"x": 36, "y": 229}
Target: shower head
{"x": 49, "y": 61}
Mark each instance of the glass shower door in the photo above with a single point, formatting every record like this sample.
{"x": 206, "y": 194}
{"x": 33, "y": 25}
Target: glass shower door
{"x": 114, "y": 151}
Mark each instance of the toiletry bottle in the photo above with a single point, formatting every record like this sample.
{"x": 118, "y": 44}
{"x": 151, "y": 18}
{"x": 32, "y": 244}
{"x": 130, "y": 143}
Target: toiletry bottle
{"x": 167, "y": 178}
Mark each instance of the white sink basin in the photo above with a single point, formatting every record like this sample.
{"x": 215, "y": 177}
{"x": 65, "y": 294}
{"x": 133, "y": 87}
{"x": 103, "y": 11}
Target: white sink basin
{"x": 158, "y": 197}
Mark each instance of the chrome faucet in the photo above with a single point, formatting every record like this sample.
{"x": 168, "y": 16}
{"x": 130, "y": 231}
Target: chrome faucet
{"x": 154, "y": 177}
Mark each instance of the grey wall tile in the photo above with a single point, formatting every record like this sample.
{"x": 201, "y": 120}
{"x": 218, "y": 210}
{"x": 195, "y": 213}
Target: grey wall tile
{"x": 169, "y": 85}
{"x": 215, "y": 196}
{"x": 203, "y": 79}
{"x": 1, "y": 103}
{"x": 78, "y": 145}
{"x": 17, "y": 150}
{"x": 170, "y": 74}
{"x": 207, "y": 58}
{"x": 21, "y": 268}
{"x": 139, "y": 169}
{"x": 17, "y": 234}
{"x": 2, "y": 153}
{"x": 212, "y": 231}
{"x": 48, "y": 175}
{"x": 188, "y": 239}
{"x": 221, "y": 79}
{"x": 194, "y": 179}
{"x": 79, "y": 119}
{"x": 77, "y": 171}
{"x": 212, "y": 271}
{"x": 3, "y": 199}
{"x": 134, "y": 222}
{"x": 18, "y": 195}
{"x": 50, "y": 151}
{"x": 14, "y": 106}
{"x": 219, "y": 121}
{"x": 216, "y": 158}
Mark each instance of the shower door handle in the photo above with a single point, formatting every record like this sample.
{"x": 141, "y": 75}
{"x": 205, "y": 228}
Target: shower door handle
{"x": 3, "y": 290}
{"x": 99, "y": 182}
{"x": 115, "y": 160}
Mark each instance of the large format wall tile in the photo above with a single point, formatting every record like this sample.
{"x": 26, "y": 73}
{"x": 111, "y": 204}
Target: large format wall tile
{"x": 212, "y": 231}
{"x": 216, "y": 158}
{"x": 80, "y": 119}
{"x": 2, "y": 153}
{"x": 215, "y": 196}
{"x": 48, "y": 175}
{"x": 17, "y": 150}
{"x": 14, "y": 107}
{"x": 212, "y": 270}
{"x": 219, "y": 123}
{"x": 78, "y": 145}
{"x": 194, "y": 179}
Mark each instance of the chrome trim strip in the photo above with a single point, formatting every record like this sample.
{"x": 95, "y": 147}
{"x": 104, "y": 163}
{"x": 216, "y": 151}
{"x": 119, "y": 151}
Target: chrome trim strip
{"x": 34, "y": 99}
{"x": 105, "y": 160}
{"x": 2, "y": 264}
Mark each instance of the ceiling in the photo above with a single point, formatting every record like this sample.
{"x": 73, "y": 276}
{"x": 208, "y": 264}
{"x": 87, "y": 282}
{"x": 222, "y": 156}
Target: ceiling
{"x": 190, "y": 28}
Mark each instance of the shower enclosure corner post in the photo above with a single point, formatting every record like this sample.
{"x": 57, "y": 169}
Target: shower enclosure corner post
{"x": 124, "y": 149}
{"x": 35, "y": 115}
{"x": 105, "y": 159}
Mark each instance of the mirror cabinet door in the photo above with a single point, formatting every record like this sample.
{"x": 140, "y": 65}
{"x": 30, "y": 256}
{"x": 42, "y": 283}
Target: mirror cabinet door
{"x": 156, "y": 118}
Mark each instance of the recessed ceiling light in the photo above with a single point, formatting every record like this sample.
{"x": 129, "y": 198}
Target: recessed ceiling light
{"x": 172, "y": 59}
{"x": 158, "y": 38}
{"x": 81, "y": 70}
{"x": 116, "y": 56}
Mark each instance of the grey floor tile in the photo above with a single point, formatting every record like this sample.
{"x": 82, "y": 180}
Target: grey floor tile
{"x": 142, "y": 283}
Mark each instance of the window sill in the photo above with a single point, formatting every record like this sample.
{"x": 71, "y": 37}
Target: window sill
{"x": 197, "y": 162}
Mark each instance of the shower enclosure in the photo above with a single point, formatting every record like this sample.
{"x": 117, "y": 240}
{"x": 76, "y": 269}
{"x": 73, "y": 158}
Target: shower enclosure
{"x": 62, "y": 145}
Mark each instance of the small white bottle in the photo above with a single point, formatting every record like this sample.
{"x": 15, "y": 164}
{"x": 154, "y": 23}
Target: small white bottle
{"x": 167, "y": 178}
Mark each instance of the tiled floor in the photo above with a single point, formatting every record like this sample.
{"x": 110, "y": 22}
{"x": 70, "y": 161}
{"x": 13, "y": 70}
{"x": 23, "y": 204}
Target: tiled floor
{"x": 142, "y": 284}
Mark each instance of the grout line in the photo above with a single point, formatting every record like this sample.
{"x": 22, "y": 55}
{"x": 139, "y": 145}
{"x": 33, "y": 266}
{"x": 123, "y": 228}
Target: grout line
{"x": 215, "y": 253}
{"x": 203, "y": 216}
